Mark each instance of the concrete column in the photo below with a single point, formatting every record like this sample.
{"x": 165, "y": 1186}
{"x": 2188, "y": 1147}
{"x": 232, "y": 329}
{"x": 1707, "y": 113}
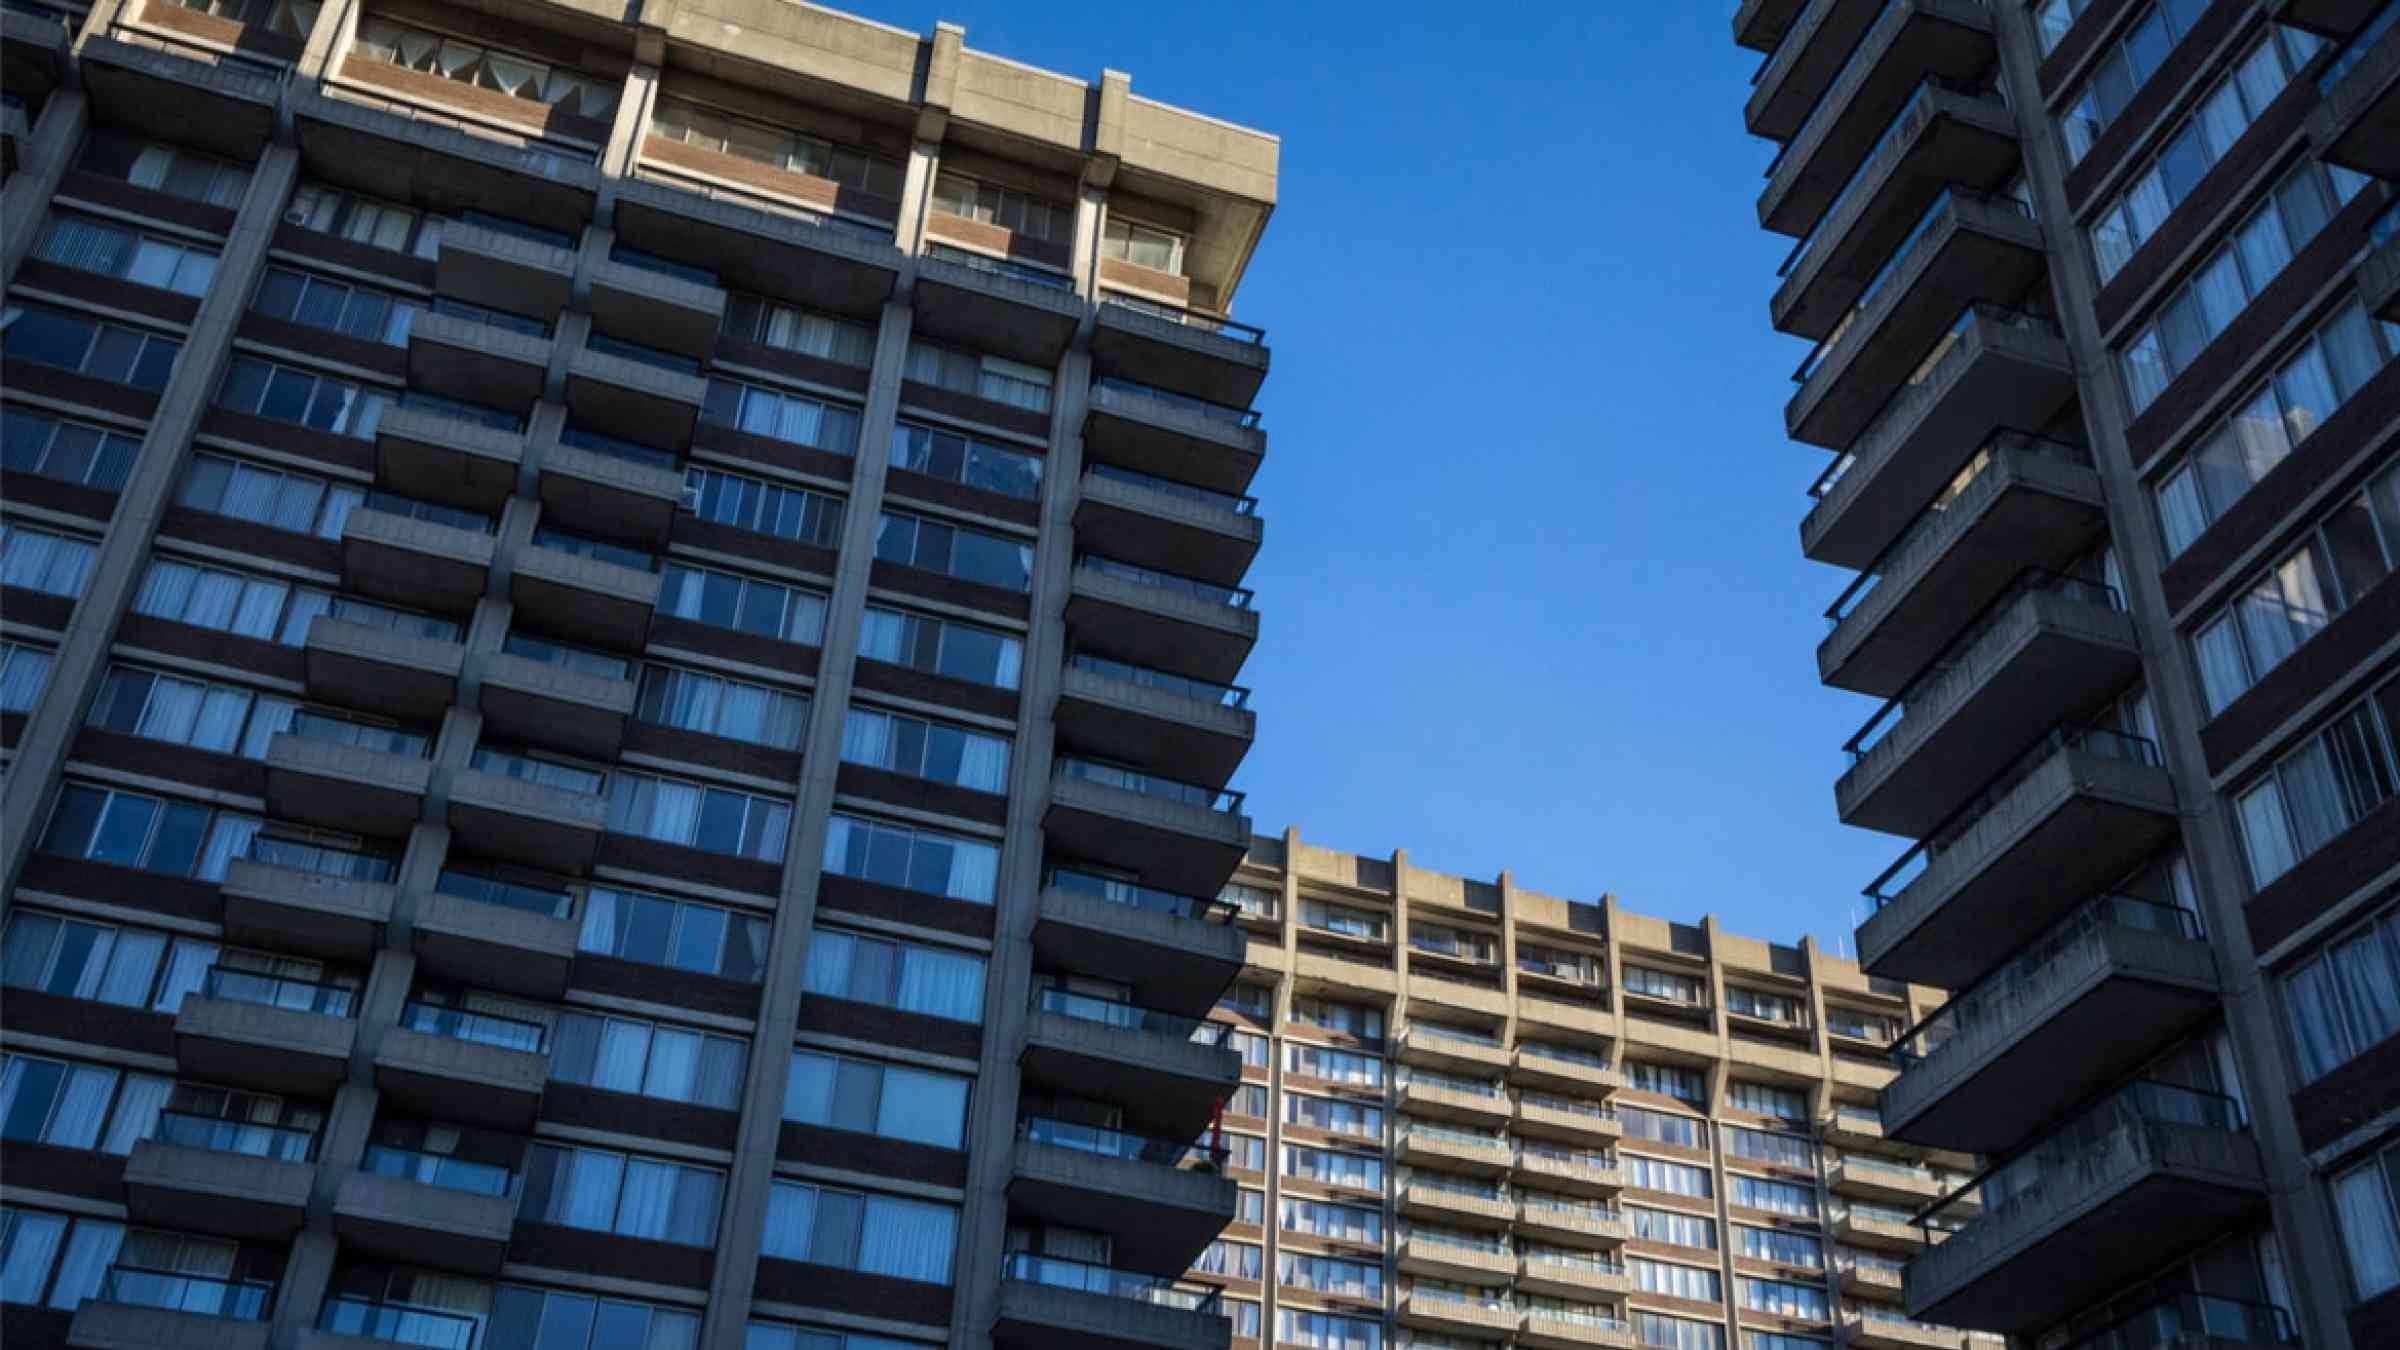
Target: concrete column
{"x": 328, "y": 38}
{"x": 117, "y": 570}
{"x": 625, "y": 133}
{"x": 26, "y": 198}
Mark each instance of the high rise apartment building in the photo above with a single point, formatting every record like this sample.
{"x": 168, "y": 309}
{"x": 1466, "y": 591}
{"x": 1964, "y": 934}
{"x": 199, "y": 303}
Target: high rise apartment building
{"x": 2103, "y": 301}
{"x": 620, "y": 632}
{"x": 1473, "y": 1115}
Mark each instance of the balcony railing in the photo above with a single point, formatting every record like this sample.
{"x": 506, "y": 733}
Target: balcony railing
{"x": 1106, "y": 1143}
{"x": 2187, "y": 1319}
{"x": 1580, "y": 972}
{"x": 1952, "y": 666}
{"x": 2356, "y": 49}
{"x": 1947, "y": 349}
{"x": 481, "y": 1028}
{"x": 1463, "y": 949}
{"x": 1587, "y": 1212}
{"x": 1445, "y": 1134}
{"x": 1435, "y": 1031}
{"x": 1926, "y": 89}
{"x": 1134, "y": 895}
{"x": 1231, "y": 597}
{"x": 1222, "y": 800}
{"x": 1569, "y": 1105}
{"x": 399, "y": 1322}
{"x": 275, "y": 991}
{"x": 1000, "y": 267}
{"x": 1057, "y": 1272}
{"x": 1576, "y": 1317}
{"x": 1199, "y": 691}
{"x": 219, "y": 1135}
{"x": 1468, "y": 1087}
{"x": 1189, "y": 318}
{"x": 1590, "y": 1265}
{"x": 1568, "y": 1157}
{"x": 1129, "y": 1016}
{"x": 241, "y": 1300}
{"x": 1214, "y": 412}
{"x": 1222, "y": 501}
{"x": 539, "y": 900}
{"x": 1562, "y": 1055}
{"x": 1460, "y": 1242}
{"x": 321, "y": 859}
{"x": 436, "y": 1169}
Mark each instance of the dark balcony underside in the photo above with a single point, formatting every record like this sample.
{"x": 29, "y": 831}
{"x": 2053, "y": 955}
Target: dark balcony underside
{"x": 1201, "y": 751}
{"x": 1225, "y": 461}
{"x": 1155, "y": 851}
{"x": 2357, "y": 125}
{"x": 1797, "y": 74}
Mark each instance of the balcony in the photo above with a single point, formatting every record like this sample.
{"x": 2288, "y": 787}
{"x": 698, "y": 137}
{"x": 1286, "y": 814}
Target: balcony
{"x": 1133, "y": 713}
{"x": 1883, "y": 1182}
{"x": 1444, "y": 1310}
{"x": 2196, "y": 1320}
{"x": 139, "y": 1308}
{"x": 2379, "y": 275}
{"x": 1882, "y": 1329}
{"x": 452, "y": 356}
{"x": 1444, "y": 1257}
{"x": 435, "y": 457}
{"x": 1874, "y": 1278}
{"x": 406, "y": 1209}
{"x": 354, "y": 788}
{"x": 2335, "y": 19}
{"x": 1787, "y": 84}
{"x": 760, "y": 246}
{"x": 1168, "y": 435}
{"x": 232, "y": 1178}
{"x": 488, "y": 945}
{"x": 1574, "y": 1223}
{"x": 345, "y": 1323}
{"x": 276, "y": 1035}
{"x": 2080, "y": 1008}
{"x": 1178, "y": 349}
{"x": 1161, "y": 620}
{"x": 675, "y": 313}
{"x": 1170, "y": 526}
{"x": 401, "y": 157}
{"x": 1179, "y": 952}
{"x": 414, "y": 562}
{"x": 2079, "y": 809}
{"x": 308, "y": 913}
{"x": 1170, "y": 1073}
{"x": 1049, "y": 1303}
{"x": 612, "y": 496}
{"x": 503, "y": 271}
{"x": 1558, "y": 1067}
{"x": 592, "y": 599}
{"x": 1433, "y": 1097}
{"x": 1879, "y": 1228}
{"x": 1567, "y": 1118}
{"x": 633, "y": 398}
{"x": 33, "y": 54}
{"x": 2099, "y": 1204}
{"x": 1909, "y": 40}
{"x": 1994, "y": 366}
{"x": 221, "y": 104}
{"x": 2048, "y": 647}
{"x": 1569, "y": 1329}
{"x": 1435, "y": 1046}
{"x": 474, "y": 1068}
{"x": 1761, "y": 24}
{"x": 360, "y": 666}
{"x": 2356, "y": 122}
{"x": 1942, "y": 137}
{"x": 1451, "y": 1201}
{"x": 1575, "y": 1277}
{"x": 1158, "y": 1215}
{"x": 1572, "y": 1171}
{"x": 498, "y": 816}
{"x": 1965, "y": 249}
{"x": 992, "y": 305}
{"x": 558, "y": 706}
{"x": 1178, "y": 836}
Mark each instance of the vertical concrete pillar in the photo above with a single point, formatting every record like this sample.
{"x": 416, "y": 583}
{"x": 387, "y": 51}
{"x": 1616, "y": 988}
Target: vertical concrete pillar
{"x": 57, "y": 133}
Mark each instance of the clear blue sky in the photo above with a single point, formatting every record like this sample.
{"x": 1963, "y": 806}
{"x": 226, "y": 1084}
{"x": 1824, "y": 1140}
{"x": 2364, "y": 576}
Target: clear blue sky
{"x": 1532, "y": 594}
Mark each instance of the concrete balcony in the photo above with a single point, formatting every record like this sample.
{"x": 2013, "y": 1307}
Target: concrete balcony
{"x": 2075, "y": 816}
{"x": 1167, "y": 834}
{"x": 2334, "y": 19}
{"x": 1888, "y": 1332}
{"x": 2357, "y": 122}
{"x": 2084, "y": 1007}
{"x": 1547, "y": 1171}
{"x": 1966, "y": 249}
{"x": 2131, "y": 1183}
{"x": 1876, "y": 1229}
{"x": 1134, "y": 715}
{"x": 497, "y": 947}
{"x": 1158, "y": 523}
{"x": 1941, "y": 138}
{"x": 379, "y": 793}
{"x": 1168, "y": 1078}
{"x": 601, "y": 494}
{"x": 1591, "y": 1027}
{"x": 467, "y": 359}
{"x": 414, "y": 562}
{"x": 1580, "y": 1278}
{"x": 1559, "y": 1329}
{"x": 1443, "y": 1258}
{"x": 273, "y": 1049}
{"x": 212, "y": 1190}
{"x": 1434, "y": 1047}
{"x": 1179, "y": 952}
{"x": 33, "y": 55}
{"x": 1453, "y": 1208}
{"x": 1883, "y": 1183}
{"x": 668, "y": 312}
{"x": 1994, "y": 368}
{"x": 1911, "y": 40}
{"x": 1534, "y": 1066}
{"x": 1761, "y": 24}
{"x": 1874, "y": 1281}
{"x": 2042, "y": 655}
{"x": 756, "y": 244}
{"x": 1158, "y": 1216}
{"x": 1595, "y": 1227}
{"x": 1442, "y": 1311}
{"x": 984, "y": 304}
{"x": 1795, "y": 75}
{"x": 503, "y": 271}
{"x": 1051, "y": 1304}
{"x": 2379, "y": 275}
{"x": 1217, "y": 360}
{"x": 15, "y": 131}
{"x": 285, "y": 909}
{"x": 224, "y": 106}
{"x": 2027, "y": 504}
{"x": 357, "y": 665}
{"x": 532, "y": 823}
{"x": 472, "y": 1068}
{"x": 1145, "y": 429}
{"x": 105, "y": 1324}
{"x": 1573, "y": 1122}
{"x": 633, "y": 399}
{"x": 403, "y": 1220}
{"x": 1429, "y": 1099}
{"x": 535, "y": 703}
{"x": 438, "y": 458}
{"x": 1132, "y": 615}
{"x": 593, "y": 600}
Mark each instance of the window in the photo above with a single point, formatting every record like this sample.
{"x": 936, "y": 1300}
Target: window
{"x": 1337, "y": 1065}
{"x": 1035, "y": 218}
{"x": 954, "y": 550}
{"x": 1681, "y": 1131}
{"x": 1667, "y": 1080}
{"x": 89, "y": 245}
{"x": 1666, "y": 1225}
{"x": 1011, "y": 382}
{"x": 555, "y": 1319}
{"x": 1244, "y": 1152}
{"x": 70, "y": 452}
{"x": 1254, "y": 902}
{"x": 1321, "y": 1218}
{"x": 291, "y": 18}
{"x": 1775, "y": 1340}
{"x": 902, "y": 975}
{"x": 1677, "y": 1281}
{"x": 474, "y": 414}
{"x": 1778, "y": 1197}
{"x": 1330, "y": 1166}
{"x": 2052, "y": 19}
{"x": 961, "y": 651}
{"x": 724, "y": 600}
{"x": 1331, "y": 1275}
{"x": 276, "y": 498}
{"x": 2125, "y": 65}
{"x": 1328, "y": 917}
{"x": 2345, "y": 998}
{"x": 1338, "y": 1117}
{"x": 870, "y": 1097}
{"x": 1668, "y": 985}
{"x": 957, "y": 458}
{"x": 68, "y": 1258}
{"x": 1250, "y": 1099}
{"x": 129, "y": 829}
{"x": 1758, "y": 1003}
{"x": 1252, "y": 1207}
{"x": 549, "y": 902}
{"x": 691, "y": 124}
{"x": 584, "y": 660}
{"x": 1774, "y": 1244}
{"x": 501, "y": 72}
{"x": 1240, "y": 1260}
{"x": 38, "y": 560}
{"x": 719, "y": 820}
{"x": 23, "y": 672}
{"x": 648, "y": 1059}
{"x": 1788, "y": 1103}
{"x": 911, "y": 858}
{"x": 2321, "y": 789}
{"x": 1654, "y": 1174}
{"x": 164, "y": 168}
{"x": 84, "y": 346}
{"x": 335, "y": 306}
{"x": 773, "y": 1336}
{"x": 763, "y": 508}
{"x": 1251, "y": 1046}
{"x": 855, "y": 1230}
{"x": 1857, "y": 1024}
{"x": 1785, "y": 1300}
{"x": 1676, "y": 1333}
{"x": 102, "y": 963}
{"x": 2369, "y": 1216}
{"x": 364, "y": 220}
{"x": 82, "y": 1106}
{"x": 619, "y": 1193}
{"x": 796, "y": 418}
{"x": 752, "y": 318}
{"x": 715, "y": 706}
{"x": 1788, "y": 1150}
{"x": 678, "y": 934}
{"x": 1142, "y": 245}
{"x": 227, "y": 718}
{"x": 255, "y": 607}
{"x": 2344, "y": 556}
{"x": 289, "y": 394}
{"x": 528, "y": 767}
{"x": 933, "y": 751}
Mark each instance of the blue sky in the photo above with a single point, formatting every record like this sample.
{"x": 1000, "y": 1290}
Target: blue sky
{"x": 1532, "y": 595}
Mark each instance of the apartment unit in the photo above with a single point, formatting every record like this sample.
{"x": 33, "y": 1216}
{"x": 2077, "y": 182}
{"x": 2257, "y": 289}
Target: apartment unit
{"x": 620, "y": 625}
{"x": 2104, "y": 392}
{"x": 1473, "y": 1115}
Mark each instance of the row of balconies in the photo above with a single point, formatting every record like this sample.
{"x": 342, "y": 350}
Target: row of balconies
{"x": 1440, "y": 1310}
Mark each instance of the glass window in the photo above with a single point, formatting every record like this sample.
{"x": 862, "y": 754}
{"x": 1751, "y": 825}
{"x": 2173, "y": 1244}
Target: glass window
{"x": 911, "y": 858}
{"x": 650, "y": 1059}
{"x": 924, "y": 749}
{"x": 1142, "y": 245}
{"x": 990, "y": 377}
{"x": 470, "y": 63}
{"x": 38, "y": 560}
{"x": 719, "y": 820}
{"x": 955, "y": 457}
{"x": 658, "y": 931}
{"x": 715, "y": 706}
{"x": 619, "y": 1193}
{"x": 725, "y": 600}
{"x": 2320, "y": 789}
{"x": 862, "y": 1231}
{"x": 752, "y": 318}
{"x": 151, "y": 834}
{"x": 761, "y": 507}
{"x": 2369, "y": 1218}
{"x": 871, "y": 1097}
{"x": 163, "y": 168}
{"x": 70, "y": 452}
{"x": 80, "y": 345}
{"x": 891, "y": 974}
{"x": 796, "y": 418}
{"x": 954, "y": 550}
{"x": 289, "y": 394}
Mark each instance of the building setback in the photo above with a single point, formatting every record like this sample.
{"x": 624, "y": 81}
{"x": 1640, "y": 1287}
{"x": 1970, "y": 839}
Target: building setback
{"x": 1474, "y": 1115}
{"x": 2103, "y": 298}
{"x": 605, "y": 606}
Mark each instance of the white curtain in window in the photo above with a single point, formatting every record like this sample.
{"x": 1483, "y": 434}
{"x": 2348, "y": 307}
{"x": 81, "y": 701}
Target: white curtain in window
{"x": 2264, "y": 834}
{"x": 2363, "y": 1206}
{"x": 908, "y": 1239}
{"x": 624, "y": 1051}
{"x": 138, "y": 1105}
{"x": 2370, "y": 971}
{"x": 187, "y": 969}
{"x": 942, "y": 984}
{"x": 131, "y": 963}
{"x": 33, "y": 1241}
{"x": 2221, "y": 292}
{"x": 82, "y": 1103}
{"x": 829, "y": 964}
{"x": 649, "y": 1189}
{"x": 90, "y": 1252}
{"x": 791, "y": 1214}
{"x": 587, "y": 1189}
{"x": 744, "y": 713}
{"x": 173, "y": 709}
{"x": 2223, "y": 677}
{"x": 867, "y": 738}
{"x": 983, "y": 764}
{"x": 219, "y": 723}
{"x": 720, "y": 1078}
{"x": 674, "y": 1065}
{"x": 928, "y": 1108}
{"x": 974, "y": 871}
{"x": 228, "y": 838}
